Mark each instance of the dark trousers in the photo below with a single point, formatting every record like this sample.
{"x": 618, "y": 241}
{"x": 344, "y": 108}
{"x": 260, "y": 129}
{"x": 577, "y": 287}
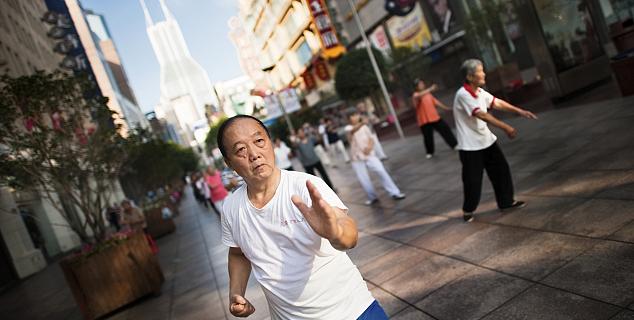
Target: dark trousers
{"x": 209, "y": 203}
{"x": 441, "y": 127}
{"x": 322, "y": 172}
{"x": 493, "y": 161}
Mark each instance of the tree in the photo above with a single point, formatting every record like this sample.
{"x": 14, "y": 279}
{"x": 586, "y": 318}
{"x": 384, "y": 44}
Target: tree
{"x": 212, "y": 136}
{"x": 355, "y": 77}
{"x": 153, "y": 163}
{"x": 57, "y": 137}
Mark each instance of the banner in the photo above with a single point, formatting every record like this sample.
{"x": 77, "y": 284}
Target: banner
{"x": 289, "y": 99}
{"x": 379, "y": 40}
{"x": 443, "y": 15}
{"x": 410, "y": 31}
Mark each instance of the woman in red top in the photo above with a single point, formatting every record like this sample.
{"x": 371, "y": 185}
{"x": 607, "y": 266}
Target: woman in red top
{"x": 428, "y": 118}
{"x": 218, "y": 191}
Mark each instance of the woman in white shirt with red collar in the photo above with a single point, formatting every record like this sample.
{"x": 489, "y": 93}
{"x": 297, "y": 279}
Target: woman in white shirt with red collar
{"x": 477, "y": 144}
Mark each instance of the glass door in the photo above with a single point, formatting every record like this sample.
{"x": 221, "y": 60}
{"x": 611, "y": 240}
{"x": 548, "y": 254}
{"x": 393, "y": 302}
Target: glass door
{"x": 569, "y": 32}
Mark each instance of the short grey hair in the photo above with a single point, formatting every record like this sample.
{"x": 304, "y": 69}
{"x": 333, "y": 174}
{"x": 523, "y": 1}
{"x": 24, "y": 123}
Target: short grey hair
{"x": 469, "y": 67}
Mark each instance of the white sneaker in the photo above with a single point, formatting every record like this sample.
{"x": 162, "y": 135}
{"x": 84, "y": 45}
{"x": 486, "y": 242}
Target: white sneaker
{"x": 399, "y": 196}
{"x": 371, "y": 202}
{"x": 429, "y": 156}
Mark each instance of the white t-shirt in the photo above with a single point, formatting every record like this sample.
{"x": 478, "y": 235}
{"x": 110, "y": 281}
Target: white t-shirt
{"x": 358, "y": 142}
{"x": 281, "y": 156}
{"x": 472, "y": 133}
{"x": 301, "y": 274}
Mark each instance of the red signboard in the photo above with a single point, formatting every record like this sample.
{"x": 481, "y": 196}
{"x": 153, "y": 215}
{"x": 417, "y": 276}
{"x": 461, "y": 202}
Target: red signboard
{"x": 327, "y": 34}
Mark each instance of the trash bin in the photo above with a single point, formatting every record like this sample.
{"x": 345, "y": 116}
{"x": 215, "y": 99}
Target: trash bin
{"x": 623, "y": 68}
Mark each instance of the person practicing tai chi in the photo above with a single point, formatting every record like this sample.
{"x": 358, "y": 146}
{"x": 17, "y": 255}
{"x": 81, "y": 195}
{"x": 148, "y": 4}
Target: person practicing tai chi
{"x": 477, "y": 144}
{"x": 428, "y": 119}
{"x": 291, "y": 230}
{"x": 364, "y": 158}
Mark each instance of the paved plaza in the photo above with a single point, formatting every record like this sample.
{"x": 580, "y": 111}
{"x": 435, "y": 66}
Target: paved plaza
{"x": 568, "y": 255}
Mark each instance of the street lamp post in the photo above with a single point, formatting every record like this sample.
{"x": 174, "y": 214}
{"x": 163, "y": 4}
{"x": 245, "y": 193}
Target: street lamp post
{"x": 279, "y": 100}
{"x": 375, "y": 66}
{"x": 288, "y": 119}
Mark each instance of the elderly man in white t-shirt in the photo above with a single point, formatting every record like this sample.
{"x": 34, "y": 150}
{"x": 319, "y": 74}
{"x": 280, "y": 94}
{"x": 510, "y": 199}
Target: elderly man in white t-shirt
{"x": 477, "y": 144}
{"x": 291, "y": 230}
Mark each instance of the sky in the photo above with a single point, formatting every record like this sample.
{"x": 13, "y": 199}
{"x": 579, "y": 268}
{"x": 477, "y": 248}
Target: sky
{"x": 204, "y": 27}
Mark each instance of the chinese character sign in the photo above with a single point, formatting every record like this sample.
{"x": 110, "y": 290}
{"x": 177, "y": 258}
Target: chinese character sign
{"x": 325, "y": 29}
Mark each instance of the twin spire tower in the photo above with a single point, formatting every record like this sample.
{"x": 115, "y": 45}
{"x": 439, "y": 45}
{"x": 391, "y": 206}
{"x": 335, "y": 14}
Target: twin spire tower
{"x": 185, "y": 86}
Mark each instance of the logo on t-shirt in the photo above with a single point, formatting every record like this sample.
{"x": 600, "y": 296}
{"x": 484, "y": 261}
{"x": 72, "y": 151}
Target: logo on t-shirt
{"x": 286, "y": 223}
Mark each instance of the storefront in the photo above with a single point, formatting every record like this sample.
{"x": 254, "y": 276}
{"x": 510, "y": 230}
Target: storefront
{"x": 566, "y": 45}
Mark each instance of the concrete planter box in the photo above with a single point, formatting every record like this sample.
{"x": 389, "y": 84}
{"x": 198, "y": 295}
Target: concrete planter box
{"x": 114, "y": 277}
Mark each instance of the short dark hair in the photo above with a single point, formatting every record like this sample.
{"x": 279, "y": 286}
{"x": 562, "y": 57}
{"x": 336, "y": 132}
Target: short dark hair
{"x": 225, "y": 125}
{"x": 352, "y": 113}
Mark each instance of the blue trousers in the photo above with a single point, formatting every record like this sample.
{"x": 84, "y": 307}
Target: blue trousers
{"x": 373, "y": 312}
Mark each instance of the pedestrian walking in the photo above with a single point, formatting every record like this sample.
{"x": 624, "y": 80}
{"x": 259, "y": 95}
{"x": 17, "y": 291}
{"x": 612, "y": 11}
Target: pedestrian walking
{"x": 217, "y": 190}
{"x": 477, "y": 144}
{"x": 428, "y": 118}
{"x": 320, "y": 151}
{"x": 364, "y": 158}
{"x": 321, "y": 129}
{"x": 282, "y": 155}
{"x": 205, "y": 191}
{"x": 335, "y": 145}
{"x": 305, "y": 147}
{"x": 370, "y": 119}
{"x": 291, "y": 230}
{"x": 197, "y": 189}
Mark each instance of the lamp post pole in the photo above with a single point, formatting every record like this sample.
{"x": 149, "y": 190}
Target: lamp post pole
{"x": 377, "y": 71}
{"x": 279, "y": 100}
{"x": 288, "y": 119}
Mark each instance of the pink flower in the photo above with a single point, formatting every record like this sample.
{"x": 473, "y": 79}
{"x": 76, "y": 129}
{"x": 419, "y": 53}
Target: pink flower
{"x": 56, "y": 119}
{"x": 29, "y": 123}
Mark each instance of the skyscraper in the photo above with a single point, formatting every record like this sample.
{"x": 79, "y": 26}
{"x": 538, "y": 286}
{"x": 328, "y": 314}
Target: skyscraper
{"x": 108, "y": 57}
{"x": 185, "y": 86}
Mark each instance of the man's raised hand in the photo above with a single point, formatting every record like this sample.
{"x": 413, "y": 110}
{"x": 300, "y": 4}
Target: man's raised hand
{"x": 322, "y": 217}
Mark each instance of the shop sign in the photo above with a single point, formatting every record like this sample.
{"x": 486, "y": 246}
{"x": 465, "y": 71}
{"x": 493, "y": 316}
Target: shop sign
{"x": 321, "y": 70}
{"x": 325, "y": 29}
{"x": 379, "y": 40}
{"x": 410, "y": 31}
{"x": 309, "y": 80}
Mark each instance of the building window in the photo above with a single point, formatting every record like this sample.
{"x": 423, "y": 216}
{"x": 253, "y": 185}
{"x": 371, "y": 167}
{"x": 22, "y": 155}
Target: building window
{"x": 304, "y": 53}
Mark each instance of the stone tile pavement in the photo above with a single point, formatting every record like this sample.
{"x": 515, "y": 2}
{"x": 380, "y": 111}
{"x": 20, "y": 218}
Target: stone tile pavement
{"x": 568, "y": 255}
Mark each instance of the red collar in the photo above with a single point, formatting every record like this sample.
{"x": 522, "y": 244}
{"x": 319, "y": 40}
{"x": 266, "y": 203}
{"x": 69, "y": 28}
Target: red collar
{"x": 471, "y": 92}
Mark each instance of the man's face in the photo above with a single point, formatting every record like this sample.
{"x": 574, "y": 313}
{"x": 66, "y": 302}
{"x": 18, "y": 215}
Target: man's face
{"x": 361, "y": 107}
{"x": 249, "y": 150}
{"x": 420, "y": 86}
{"x": 478, "y": 77}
